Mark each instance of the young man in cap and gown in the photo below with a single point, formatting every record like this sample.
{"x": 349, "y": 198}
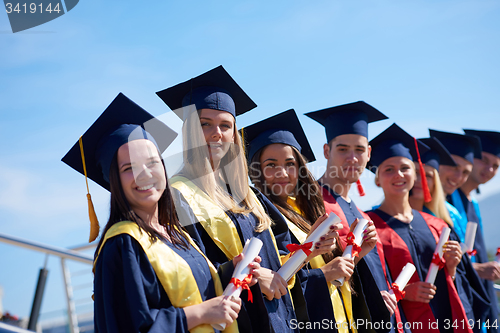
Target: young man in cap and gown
{"x": 347, "y": 152}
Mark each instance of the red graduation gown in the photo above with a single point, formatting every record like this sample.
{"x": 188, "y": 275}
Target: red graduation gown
{"x": 397, "y": 255}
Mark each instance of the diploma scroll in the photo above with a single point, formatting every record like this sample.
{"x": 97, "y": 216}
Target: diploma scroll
{"x": 250, "y": 251}
{"x": 299, "y": 258}
{"x": 438, "y": 255}
{"x": 358, "y": 240}
{"x": 498, "y": 255}
{"x": 470, "y": 236}
{"x": 402, "y": 281}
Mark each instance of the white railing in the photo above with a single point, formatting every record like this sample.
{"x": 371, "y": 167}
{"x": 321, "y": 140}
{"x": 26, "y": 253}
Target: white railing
{"x": 48, "y": 249}
{"x": 64, "y": 255}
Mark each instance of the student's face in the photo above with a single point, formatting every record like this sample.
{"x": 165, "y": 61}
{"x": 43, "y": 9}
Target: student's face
{"x": 485, "y": 169}
{"x": 396, "y": 176}
{"x": 218, "y": 128}
{"x": 347, "y": 157}
{"x": 280, "y": 169}
{"x": 452, "y": 177}
{"x": 417, "y": 190}
{"x": 141, "y": 173}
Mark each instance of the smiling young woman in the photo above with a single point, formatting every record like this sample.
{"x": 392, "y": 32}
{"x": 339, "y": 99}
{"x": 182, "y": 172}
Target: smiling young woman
{"x": 278, "y": 151}
{"x": 410, "y": 236}
{"x": 149, "y": 276}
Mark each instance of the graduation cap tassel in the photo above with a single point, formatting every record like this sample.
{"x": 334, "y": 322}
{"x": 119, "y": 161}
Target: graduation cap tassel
{"x": 361, "y": 191}
{"x": 425, "y": 187}
{"x": 94, "y": 223}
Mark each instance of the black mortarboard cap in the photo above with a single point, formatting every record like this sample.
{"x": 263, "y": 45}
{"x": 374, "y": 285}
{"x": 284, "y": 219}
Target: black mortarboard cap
{"x": 283, "y": 128}
{"x": 352, "y": 118}
{"x": 214, "y": 89}
{"x": 121, "y": 122}
{"x": 490, "y": 141}
{"x": 394, "y": 141}
{"x": 463, "y": 145}
{"x": 437, "y": 155}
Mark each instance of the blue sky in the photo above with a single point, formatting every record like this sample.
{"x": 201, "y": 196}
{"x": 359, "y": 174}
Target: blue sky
{"x": 425, "y": 64}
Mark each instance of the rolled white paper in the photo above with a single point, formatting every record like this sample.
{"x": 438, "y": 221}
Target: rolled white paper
{"x": 299, "y": 258}
{"x": 433, "y": 268}
{"x": 358, "y": 239}
{"x": 250, "y": 251}
{"x": 404, "y": 277}
{"x": 470, "y": 236}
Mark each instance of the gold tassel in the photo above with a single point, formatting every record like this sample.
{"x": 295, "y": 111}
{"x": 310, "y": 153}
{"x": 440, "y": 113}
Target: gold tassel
{"x": 94, "y": 223}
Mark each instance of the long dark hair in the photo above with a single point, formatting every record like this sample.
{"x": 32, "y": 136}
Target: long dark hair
{"x": 120, "y": 211}
{"x": 308, "y": 195}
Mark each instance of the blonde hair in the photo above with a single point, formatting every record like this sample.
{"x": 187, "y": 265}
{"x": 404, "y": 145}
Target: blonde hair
{"x": 232, "y": 171}
{"x": 437, "y": 204}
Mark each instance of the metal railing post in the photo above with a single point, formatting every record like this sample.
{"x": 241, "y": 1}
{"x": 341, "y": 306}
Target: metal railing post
{"x": 72, "y": 318}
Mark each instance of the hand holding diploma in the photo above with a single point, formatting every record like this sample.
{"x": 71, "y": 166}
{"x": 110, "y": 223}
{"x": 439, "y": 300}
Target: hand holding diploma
{"x": 242, "y": 277}
{"x": 300, "y": 253}
{"x": 470, "y": 236}
{"x": 437, "y": 259}
{"x": 452, "y": 254}
{"x": 399, "y": 285}
{"x": 327, "y": 242}
{"x": 354, "y": 241}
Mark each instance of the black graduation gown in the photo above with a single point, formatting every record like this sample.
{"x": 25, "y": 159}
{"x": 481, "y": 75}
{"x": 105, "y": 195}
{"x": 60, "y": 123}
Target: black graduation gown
{"x": 128, "y": 297}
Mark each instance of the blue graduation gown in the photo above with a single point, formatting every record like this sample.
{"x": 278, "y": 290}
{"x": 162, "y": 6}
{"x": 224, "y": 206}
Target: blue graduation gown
{"x": 468, "y": 209}
{"x": 252, "y": 318}
{"x": 128, "y": 297}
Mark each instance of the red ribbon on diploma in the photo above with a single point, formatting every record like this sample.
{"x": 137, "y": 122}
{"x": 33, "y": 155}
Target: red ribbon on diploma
{"x": 498, "y": 251}
{"x": 244, "y": 285}
{"x": 400, "y": 294}
{"x": 355, "y": 247}
{"x": 472, "y": 253}
{"x": 436, "y": 259}
{"x": 306, "y": 247}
